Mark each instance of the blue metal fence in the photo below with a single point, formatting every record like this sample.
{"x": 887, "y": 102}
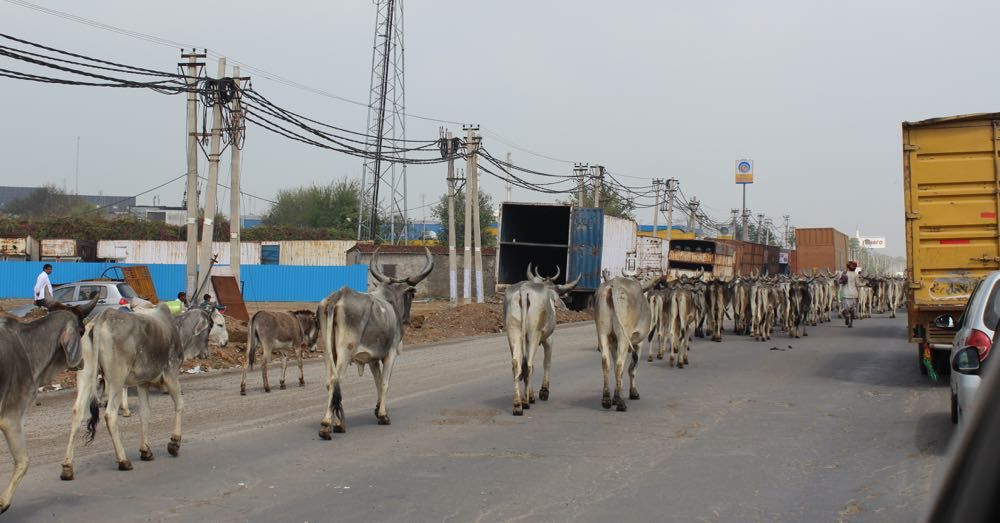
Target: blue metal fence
{"x": 260, "y": 282}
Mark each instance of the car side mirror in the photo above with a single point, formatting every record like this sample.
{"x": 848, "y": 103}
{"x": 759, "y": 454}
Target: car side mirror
{"x": 944, "y": 321}
{"x": 966, "y": 361}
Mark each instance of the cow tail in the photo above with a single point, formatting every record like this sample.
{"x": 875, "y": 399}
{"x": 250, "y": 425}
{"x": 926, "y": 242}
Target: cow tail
{"x": 619, "y": 302}
{"x": 97, "y": 388}
{"x": 251, "y": 348}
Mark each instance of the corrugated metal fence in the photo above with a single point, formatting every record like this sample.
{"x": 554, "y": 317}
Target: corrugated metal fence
{"x": 260, "y": 282}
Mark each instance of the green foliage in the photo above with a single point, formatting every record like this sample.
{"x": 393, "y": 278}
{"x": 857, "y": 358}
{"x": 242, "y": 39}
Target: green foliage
{"x": 333, "y": 207}
{"x": 485, "y": 218}
{"x": 612, "y": 203}
{"x": 49, "y": 200}
{"x": 90, "y": 228}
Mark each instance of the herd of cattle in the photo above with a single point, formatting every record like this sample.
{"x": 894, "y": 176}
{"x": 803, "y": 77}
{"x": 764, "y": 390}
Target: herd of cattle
{"x": 115, "y": 349}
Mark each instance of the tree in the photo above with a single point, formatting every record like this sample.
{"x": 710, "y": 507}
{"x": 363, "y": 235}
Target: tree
{"x": 485, "y": 218}
{"x": 333, "y": 206}
{"x": 49, "y": 200}
{"x": 611, "y": 201}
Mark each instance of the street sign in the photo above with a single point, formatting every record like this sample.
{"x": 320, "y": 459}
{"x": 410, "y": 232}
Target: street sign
{"x": 873, "y": 243}
{"x": 744, "y": 171}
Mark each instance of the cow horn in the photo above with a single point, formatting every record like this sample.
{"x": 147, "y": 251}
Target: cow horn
{"x": 413, "y": 280}
{"x": 566, "y": 287}
{"x": 604, "y": 275}
{"x": 373, "y": 268}
{"x": 531, "y": 277}
{"x": 556, "y": 277}
{"x": 85, "y": 309}
{"x": 701, "y": 272}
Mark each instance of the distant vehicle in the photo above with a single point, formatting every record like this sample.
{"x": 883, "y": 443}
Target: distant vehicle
{"x": 429, "y": 235}
{"x": 974, "y": 328}
{"x": 112, "y": 294}
{"x": 951, "y": 223}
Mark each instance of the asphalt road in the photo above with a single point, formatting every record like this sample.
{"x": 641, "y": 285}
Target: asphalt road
{"x": 841, "y": 426}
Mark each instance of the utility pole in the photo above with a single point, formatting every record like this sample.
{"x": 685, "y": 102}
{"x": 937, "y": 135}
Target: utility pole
{"x": 510, "y": 188}
{"x": 671, "y": 187}
{"x": 693, "y": 216}
{"x": 760, "y": 225}
{"x": 656, "y": 206}
{"x": 473, "y": 171}
{"x": 745, "y": 234}
{"x": 191, "y": 193}
{"x": 579, "y": 169}
{"x": 211, "y": 188}
{"x": 787, "y": 243}
{"x": 467, "y": 220}
{"x": 234, "y": 174}
{"x": 598, "y": 178}
{"x": 735, "y": 216}
{"x": 452, "y": 262}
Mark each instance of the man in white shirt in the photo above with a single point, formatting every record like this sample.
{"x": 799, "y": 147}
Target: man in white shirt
{"x": 849, "y": 288}
{"x": 43, "y": 288}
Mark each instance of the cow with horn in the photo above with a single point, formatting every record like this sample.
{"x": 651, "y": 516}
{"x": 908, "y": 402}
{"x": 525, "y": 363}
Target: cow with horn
{"x": 530, "y": 320}
{"x": 364, "y": 329}
{"x": 623, "y": 319}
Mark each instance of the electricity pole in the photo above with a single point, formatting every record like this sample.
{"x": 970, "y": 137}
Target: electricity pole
{"x": 234, "y": 174}
{"x": 211, "y": 187}
{"x": 760, "y": 225}
{"x": 191, "y": 193}
{"x": 598, "y": 177}
{"x": 579, "y": 169}
{"x": 671, "y": 187}
{"x": 473, "y": 170}
{"x": 656, "y": 206}
{"x": 735, "y": 213}
{"x": 692, "y": 217}
{"x": 510, "y": 188}
{"x": 452, "y": 262}
{"x": 745, "y": 234}
{"x": 787, "y": 243}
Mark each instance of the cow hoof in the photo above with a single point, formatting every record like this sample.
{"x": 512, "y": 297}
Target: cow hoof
{"x": 621, "y": 407}
{"x": 339, "y": 429}
{"x": 146, "y": 455}
{"x": 606, "y": 403}
{"x": 282, "y": 386}
{"x": 243, "y": 391}
{"x": 633, "y": 394}
{"x": 125, "y": 465}
{"x": 650, "y": 358}
{"x": 659, "y": 357}
{"x": 384, "y": 420}
{"x": 174, "y": 447}
{"x": 302, "y": 382}
{"x": 67, "y": 473}
{"x": 267, "y": 389}
{"x": 518, "y": 411}
{"x": 324, "y": 433}
{"x": 531, "y": 400}
{"x": 526, "y": 405}
{"x": 125, "y": 413}
{"x": 4, "y": 507}
{"x": 543, "y": 394}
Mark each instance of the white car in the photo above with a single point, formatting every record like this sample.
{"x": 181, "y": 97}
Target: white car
{"x": 975, "y": 328}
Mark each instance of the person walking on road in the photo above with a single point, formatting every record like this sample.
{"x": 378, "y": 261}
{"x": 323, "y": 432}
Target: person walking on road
{"x": 849, "y": 293}
{"x": 43, "y": 287}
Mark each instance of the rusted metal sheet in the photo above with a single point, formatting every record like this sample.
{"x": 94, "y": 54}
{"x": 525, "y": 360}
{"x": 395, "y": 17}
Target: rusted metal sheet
{"x": 227, "y": 291}
{"x": 22, "y": 247}
{"x": 139, "y": 279}
{"x": 313, "y": 252}
{"x": 68, "y": 250}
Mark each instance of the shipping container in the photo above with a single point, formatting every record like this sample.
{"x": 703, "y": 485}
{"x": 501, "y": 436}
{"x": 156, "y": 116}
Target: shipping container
{"x": 753, "y": 258}
{"x": 951, "y": 170}
{"x": 170, "y": 252}
{"x": 821, "y": 249}
{"x": 617, "y": 243}
{"x": 68, "y": 250}
{"x": 309, "y": 252}
{"x": 709, "y": 256}
{"x": 651, "y": 253}
{"x": 19, "y": 249}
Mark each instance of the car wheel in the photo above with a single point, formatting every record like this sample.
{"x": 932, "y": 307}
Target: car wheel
{"x": 954, "y": 408}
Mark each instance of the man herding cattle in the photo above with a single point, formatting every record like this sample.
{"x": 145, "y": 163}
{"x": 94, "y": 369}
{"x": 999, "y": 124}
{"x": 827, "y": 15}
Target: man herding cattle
{"x": 364, "y": 329}
{"x": 530, "y": 320}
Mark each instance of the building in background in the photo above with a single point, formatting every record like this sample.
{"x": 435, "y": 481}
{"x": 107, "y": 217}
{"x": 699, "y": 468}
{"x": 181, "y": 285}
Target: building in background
{"x": 114, "y": 204}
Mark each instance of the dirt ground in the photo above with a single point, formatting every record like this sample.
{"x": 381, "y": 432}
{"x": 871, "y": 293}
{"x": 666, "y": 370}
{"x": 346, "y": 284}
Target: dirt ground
{"x": 430, "y": 322}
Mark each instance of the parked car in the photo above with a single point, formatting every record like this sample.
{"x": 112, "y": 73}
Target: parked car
{"x": 112, "y": 294}
{"x": 975, "y": 328}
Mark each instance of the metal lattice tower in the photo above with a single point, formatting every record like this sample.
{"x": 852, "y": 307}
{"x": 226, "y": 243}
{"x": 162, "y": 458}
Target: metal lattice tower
{"x": 383, "y": 183}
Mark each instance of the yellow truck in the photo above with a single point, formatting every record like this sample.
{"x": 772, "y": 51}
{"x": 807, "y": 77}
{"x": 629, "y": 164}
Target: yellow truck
{"x": 951, "y": 172}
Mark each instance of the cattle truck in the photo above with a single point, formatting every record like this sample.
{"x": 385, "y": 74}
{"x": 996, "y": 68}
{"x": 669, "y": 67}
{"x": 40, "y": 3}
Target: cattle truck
{"x": 576, "y": 240}
{"x": 951, "y": 176}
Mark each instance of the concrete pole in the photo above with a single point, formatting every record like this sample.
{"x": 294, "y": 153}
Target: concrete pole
{"x": 598, "y": 177}
{"x": 477, "y": 229}
{"x": 787, "y": 243}
{"x": 452, "y": 262}
{"x": 745, "y": 234}
{"x": 579, "y": 169}
{"x": 671, "y": 187}
{"x": 656, "y": 207}
{"x": 466, "y": 222}
{"x": 510, "y": 187}
{"x": 211, "y": 191}
{"x": 234, "y": 172}
{"x": 191, "y": 79}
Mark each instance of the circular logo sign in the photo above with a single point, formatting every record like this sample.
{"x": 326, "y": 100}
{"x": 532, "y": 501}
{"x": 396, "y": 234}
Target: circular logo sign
{"x": 743, "y": 167}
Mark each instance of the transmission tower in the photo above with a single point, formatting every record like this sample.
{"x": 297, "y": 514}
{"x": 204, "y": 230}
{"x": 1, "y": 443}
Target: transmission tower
{"x": 383, "y": 183}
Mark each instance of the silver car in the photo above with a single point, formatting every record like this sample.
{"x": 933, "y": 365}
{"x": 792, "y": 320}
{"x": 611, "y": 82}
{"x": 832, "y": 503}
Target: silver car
{"x": 112, "y": 294}
{"x": 975, "y": 328}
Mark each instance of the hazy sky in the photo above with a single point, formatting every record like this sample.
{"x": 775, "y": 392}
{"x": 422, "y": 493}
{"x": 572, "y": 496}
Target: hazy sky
{"x": 813, "y": 92}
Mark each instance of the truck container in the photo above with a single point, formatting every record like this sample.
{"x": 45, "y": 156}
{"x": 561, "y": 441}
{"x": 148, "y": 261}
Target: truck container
{"x": 580, "y": 241}
{"x": 68, "y": 250}
{"x": 821, "y": 248}
{"x": 951, "y": 171}
{"x": 753, "y": 258}
{"x": 24, "y": 248}
{"x": 709, "y": 256}
{"x": 169, "y": 252}
{"x": 651, "y": 253}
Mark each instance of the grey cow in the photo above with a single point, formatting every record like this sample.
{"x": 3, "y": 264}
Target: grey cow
{"x": 135, "y": 350}
{"x": 623, "y": 319}
{"x": 364, "y": 329}
{"x": 31, "y": 352}
{"x": 284, "y": 331}
{"x": 530, "y": 320}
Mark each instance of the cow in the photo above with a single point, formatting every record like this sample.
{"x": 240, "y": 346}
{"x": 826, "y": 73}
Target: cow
{"x": 799, "y": 305}
{"x": 530, "y": 320}
{"x": 716, "y": 297}
{"x": 364, "y": 329}
{"x": 684, "y": 303}
{"x": 660, "y": 299}
{"x": 31, "y": 352}
{"x": 283, "y": 331}
{"x": 135, "y": 350}
{"x": 623, "y": 319}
